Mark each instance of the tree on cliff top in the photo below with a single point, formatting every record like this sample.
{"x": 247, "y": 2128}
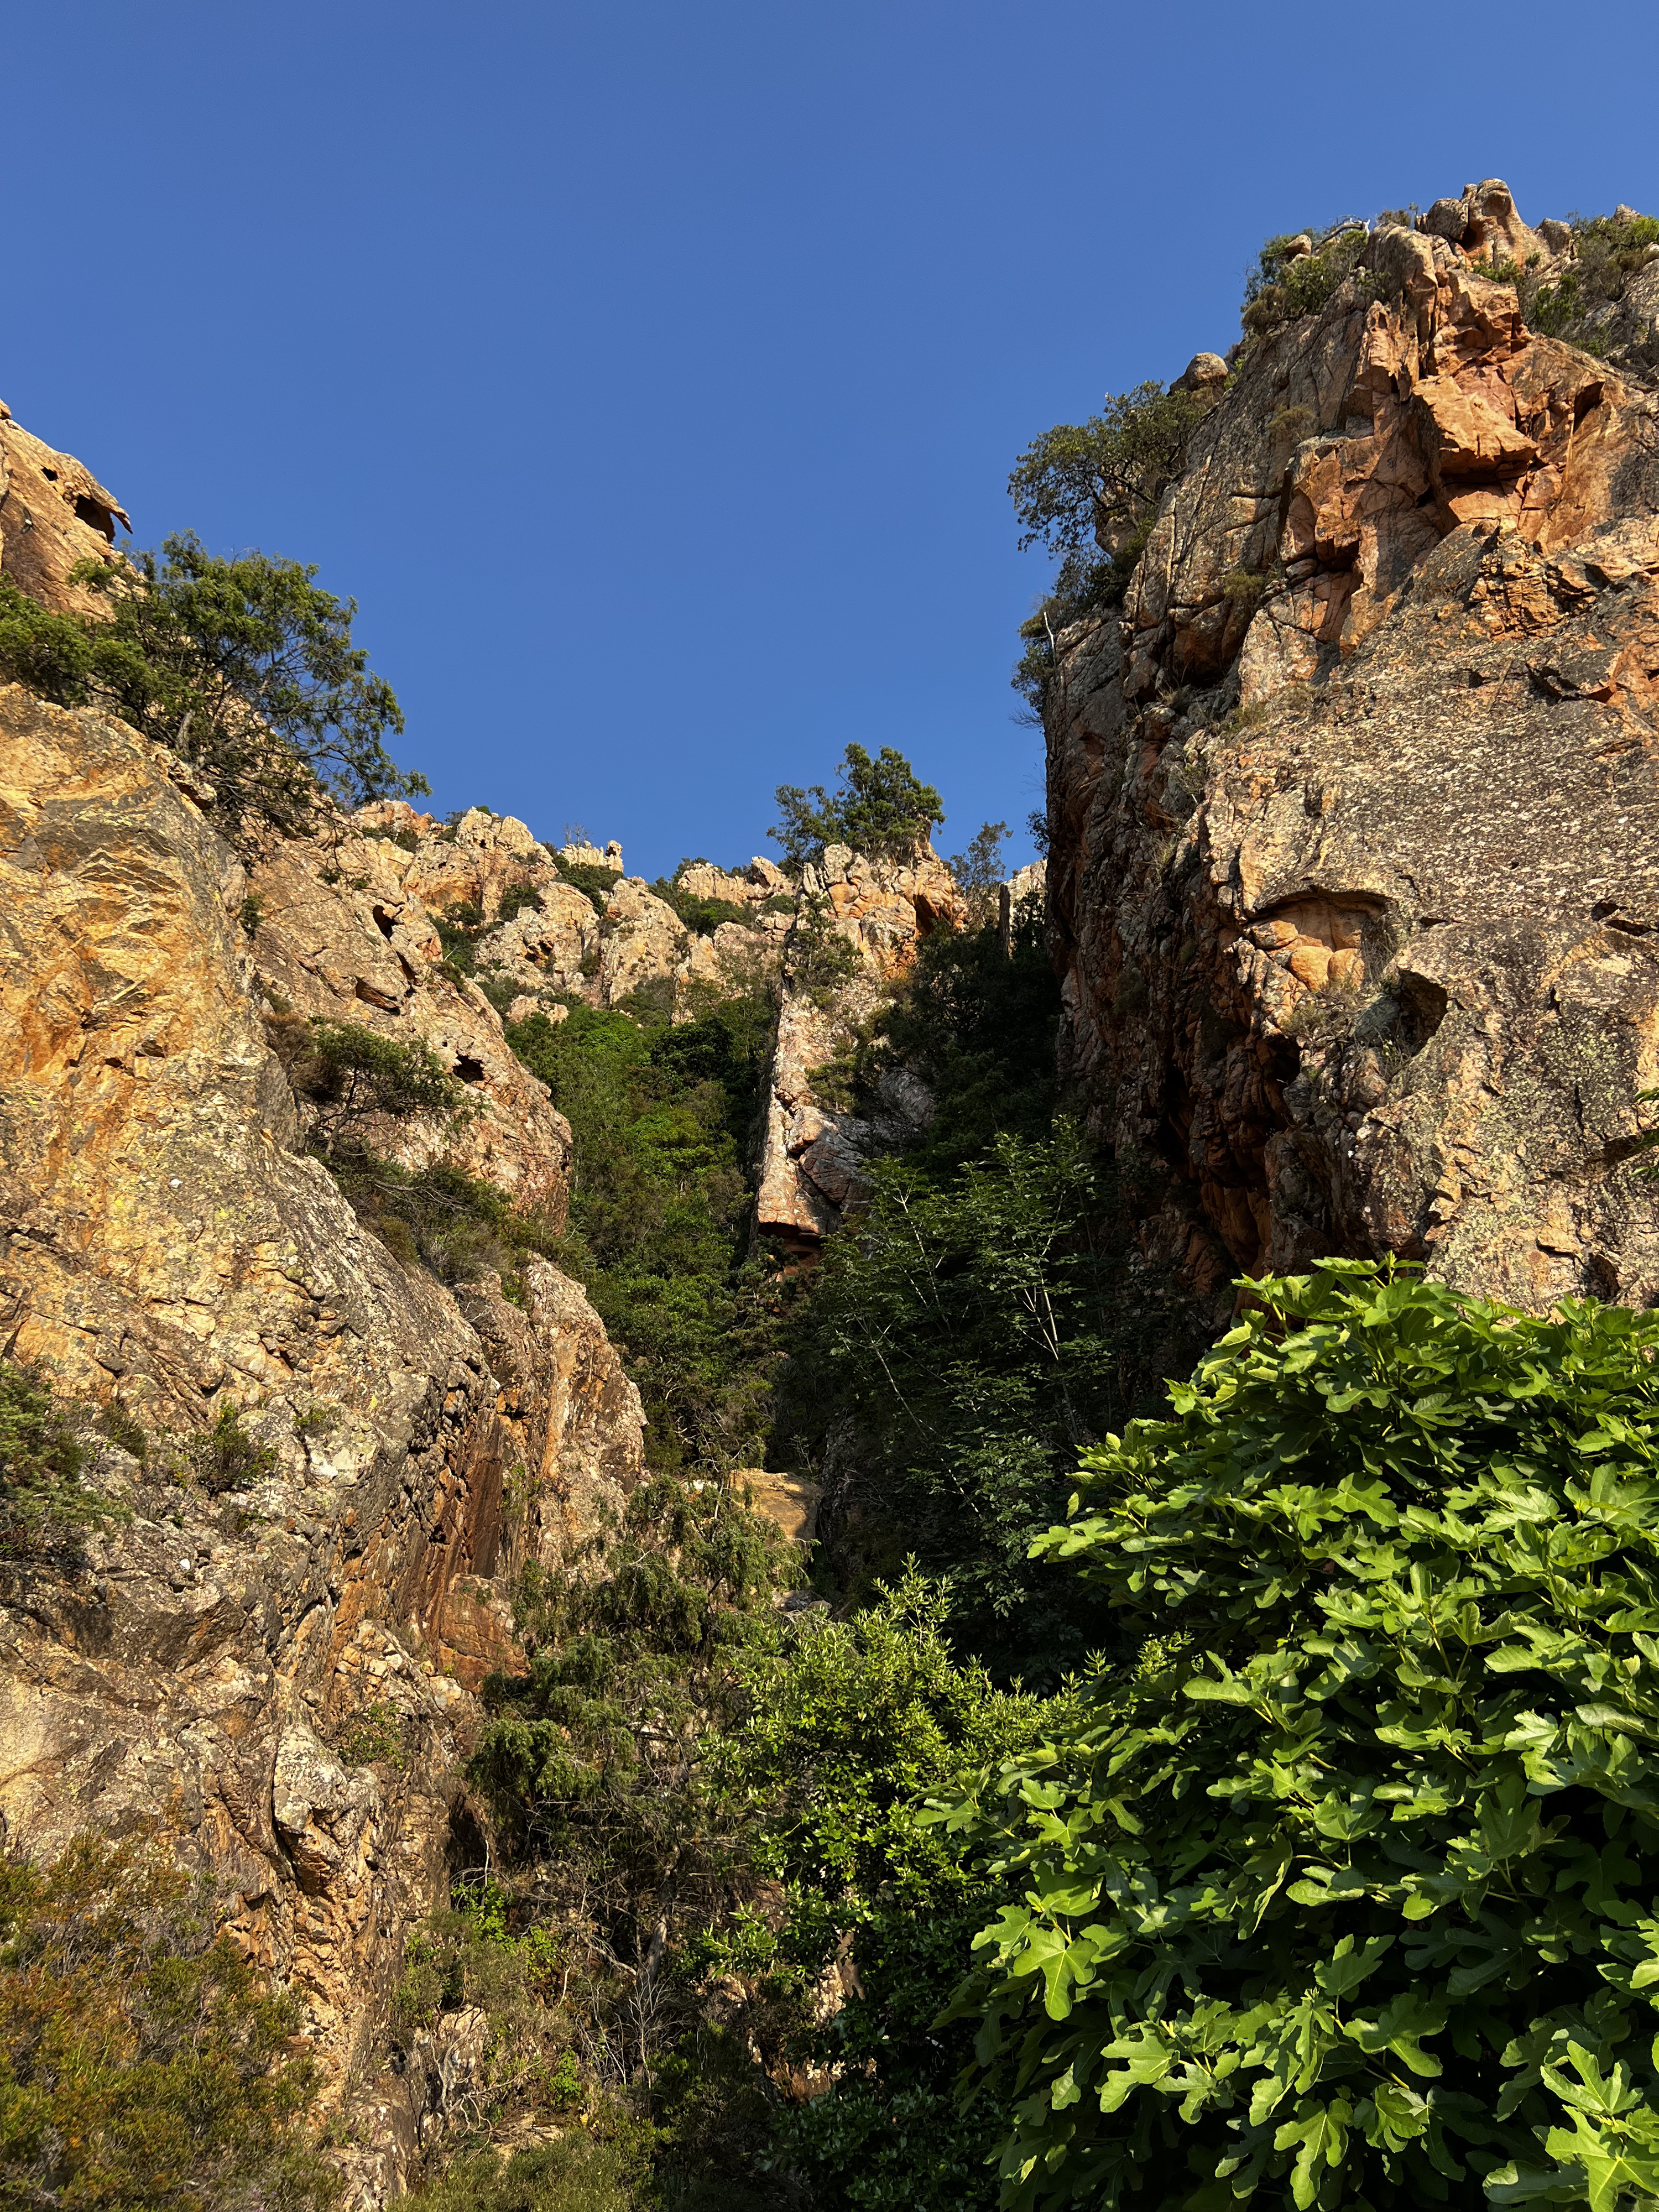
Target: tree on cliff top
{"x": 1087, "y": 493}
{"x": 245, "y": 667}
{"x": 878, "y": 808}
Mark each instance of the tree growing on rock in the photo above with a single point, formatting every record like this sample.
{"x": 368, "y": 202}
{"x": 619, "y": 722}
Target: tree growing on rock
{"x": 1088, "y": 494}
{"x": 880, "y": 807}
{"x": 245, "y": 667}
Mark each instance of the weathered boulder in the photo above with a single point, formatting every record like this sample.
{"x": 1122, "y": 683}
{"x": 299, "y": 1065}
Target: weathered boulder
{"x": 1353, "y": 812}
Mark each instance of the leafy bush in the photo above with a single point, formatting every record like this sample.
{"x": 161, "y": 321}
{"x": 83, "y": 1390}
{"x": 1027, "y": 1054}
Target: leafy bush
{"x": 851, "y": 1726}
{"x": 595, "y": 882}
{"x": 975, "y": 1019}
{"x": 143, "y": 2060}
{"x": 591, "y": 1760}
{"x": 458, "y": 927}
{"x": 515, "y": 899}
{"x": 1606, "y": 253}
{"x": 245, "y": 667}
{"x": 1344, "y": 1894}
{"x": 1287, "y": 283}
{"x": 443, "y": 1218}
{"x": 576, "y": 2173}
{"x": 878, "y": 808}
{"x": 702, "y": 915}
{"x": 646, "y": 1610}
{"x": 350, "y": 1074}
{"x": 962, "y": 1342}
{"x": 44, "y": 1503}
{"x": 227, "y": 1458}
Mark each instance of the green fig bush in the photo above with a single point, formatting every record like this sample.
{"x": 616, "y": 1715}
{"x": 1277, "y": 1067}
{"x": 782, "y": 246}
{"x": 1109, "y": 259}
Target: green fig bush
{"x": 1346, "y": 1894}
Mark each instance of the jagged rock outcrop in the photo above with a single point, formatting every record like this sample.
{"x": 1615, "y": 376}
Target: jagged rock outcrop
{"x": 543, "y": 938}
{"x": 1353, "y": 807}
{"x": 813, "y": 1150}
{"x": 53, "y": 513}
{"x": 273, "y": 1666}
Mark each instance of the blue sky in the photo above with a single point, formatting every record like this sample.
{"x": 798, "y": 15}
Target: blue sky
{"x": 651, "y": 374}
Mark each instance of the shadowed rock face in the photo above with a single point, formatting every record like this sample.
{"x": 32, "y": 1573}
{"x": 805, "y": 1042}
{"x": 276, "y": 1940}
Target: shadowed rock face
{"x": 277, "y": 1674}
{"x": 1354, "y": 882}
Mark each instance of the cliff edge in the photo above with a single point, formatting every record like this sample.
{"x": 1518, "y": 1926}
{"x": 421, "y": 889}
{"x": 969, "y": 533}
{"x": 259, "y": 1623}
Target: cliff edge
{"x": 1353, "y": 801}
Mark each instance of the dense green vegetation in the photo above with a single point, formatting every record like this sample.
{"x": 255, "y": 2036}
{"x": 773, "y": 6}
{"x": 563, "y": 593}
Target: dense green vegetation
{"x": 879, "y": 807}
{"x": 851, "y": 1727}
{"x": 1342, "y": 1892}
{"x": 245, "y": 667}
{"x": 44, "y": 1503}
{"x": 664, "y": 1115}
{"x": 142, "y": 2062}
{"x": 1288, "y": 281}
{"x": 1608, "y": 251}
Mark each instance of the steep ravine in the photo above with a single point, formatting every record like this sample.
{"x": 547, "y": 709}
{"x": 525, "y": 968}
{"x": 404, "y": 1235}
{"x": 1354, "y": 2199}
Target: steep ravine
{"x": 278, "y": 1675}
{"x": 1351, "y": 891}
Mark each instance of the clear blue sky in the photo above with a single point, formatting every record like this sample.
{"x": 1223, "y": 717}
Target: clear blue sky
{"x": 651, "y": 373}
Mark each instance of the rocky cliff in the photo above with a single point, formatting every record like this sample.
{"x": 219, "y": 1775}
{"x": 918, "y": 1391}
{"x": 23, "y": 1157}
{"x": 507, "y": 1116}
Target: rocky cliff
{"x": 279, "y": 1672}
{"x": 332, "y": 1466}
{"x": 1353, "y": 801}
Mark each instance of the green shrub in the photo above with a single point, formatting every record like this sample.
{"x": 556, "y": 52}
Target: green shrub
{"x": 961, "y": 1340}
{"x": 822, "y": 959}
{"x": 459, "y": 929}
{"x": 1344, "y": 1894}
{"x": 878, "y": 808}
{"x": 245, "y": 667}
{"x": 350, "y": 1072}
{"x": 576, "y": 2173}
{"x": 595, "y": 882}
{"x": 1283, "y": 287}
{"x": 1606, "y": 253}
{"x": 142, "y": 2062}
{"x": 975, "y": 1019}
{"x": 440, "y": 1216}
{"x": 225, "y": 1457}
{"x": 43, "y": 1504}
{"x": 663, "y": 1114}
{"x": 376, "y": 1734}
{"x": 516, "y": 899}
{"x": 850, "y": 1727}
{"x": 702, "y": 915}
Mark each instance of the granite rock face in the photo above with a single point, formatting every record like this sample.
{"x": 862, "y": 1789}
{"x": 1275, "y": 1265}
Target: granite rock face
{"x": 275, "y": 1670}
{"x": 53, "y": 513}
{"x": 541, "y": 938}
{"x": 1353, "y": 807}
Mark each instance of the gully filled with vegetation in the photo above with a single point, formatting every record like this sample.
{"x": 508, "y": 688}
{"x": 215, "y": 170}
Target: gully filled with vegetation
{"x": 1199, "y": 1761}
